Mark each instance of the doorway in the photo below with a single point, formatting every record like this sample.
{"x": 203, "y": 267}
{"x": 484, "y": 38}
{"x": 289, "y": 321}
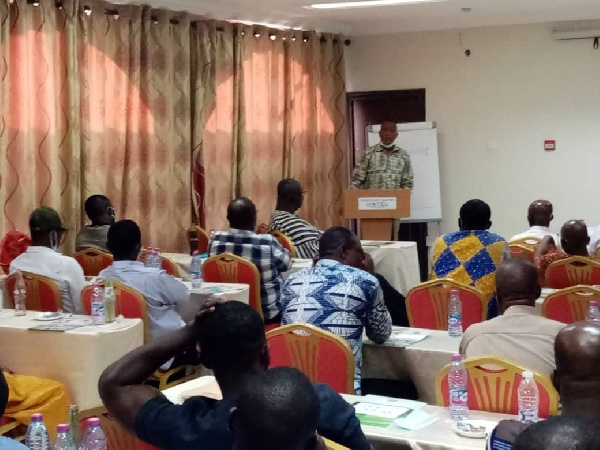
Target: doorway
{"x": 371, "y": 108}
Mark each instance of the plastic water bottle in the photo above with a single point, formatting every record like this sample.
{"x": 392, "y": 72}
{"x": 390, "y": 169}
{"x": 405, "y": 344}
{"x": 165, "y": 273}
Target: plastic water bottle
{"x": 20, "y": 295}
{"x": 149, "y": 261}
{"x": 63, "y": 440}
{"x": 196, "y": 270}
{"x": 529, "y": 399}
{"x": 94, "y": 438}
{"x": 97, "y": 305}
{"x": 36, "y": 437}
{"x": 157, "y": 262}
{"x": 454, "y": 315}
{"x": 593, "y": 312}
{"x": 457, "y": 387}
{"x": 109, "y": 302}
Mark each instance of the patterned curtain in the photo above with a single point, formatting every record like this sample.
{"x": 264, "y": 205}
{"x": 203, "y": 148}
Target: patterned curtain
{"x": 282, "y": 96}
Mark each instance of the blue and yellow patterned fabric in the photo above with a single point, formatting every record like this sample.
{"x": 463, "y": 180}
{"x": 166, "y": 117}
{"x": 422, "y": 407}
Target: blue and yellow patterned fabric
{"x": 471, "y": 258}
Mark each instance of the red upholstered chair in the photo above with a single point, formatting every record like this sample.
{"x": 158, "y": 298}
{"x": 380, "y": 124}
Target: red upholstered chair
{"x": 166, "y": 264}
{"x": 493, "y": 385}
{"x": 12, "y": 245}
{"x": 521, "y": 252}
{"x": 229, "y": 268}
{"x": 570, "y": 304}
{"x": 285, "y": 242}
{"x": 203, "y": 239}
{"x": 43, "y": 294}
{"x": 427, "y": 304}
{"x": 572, "y": 271}
{"x": 93, "y": 261}
{"x": 322, "y": 356}
{"x": 117, "y": 438}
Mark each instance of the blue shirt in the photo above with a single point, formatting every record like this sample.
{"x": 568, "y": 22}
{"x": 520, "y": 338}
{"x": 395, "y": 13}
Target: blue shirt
{"x": 10, "y": 444}
{"x": 269, "y": 257}
{"x": 203, "y": 423}
{"x": 340, "y": 299}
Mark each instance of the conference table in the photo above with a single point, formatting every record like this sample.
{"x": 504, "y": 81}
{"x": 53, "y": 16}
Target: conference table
{"x": 419, "y": 362}
{"x": 398, "y": 262}
{"x": 75, "y": 357}
{"x": 435, "y": 436}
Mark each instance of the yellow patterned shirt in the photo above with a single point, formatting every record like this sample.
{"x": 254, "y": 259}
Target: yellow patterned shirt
{"x": 470, "y": 258}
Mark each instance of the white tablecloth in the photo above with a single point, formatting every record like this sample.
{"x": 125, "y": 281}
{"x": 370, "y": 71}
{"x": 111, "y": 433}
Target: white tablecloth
{"x": 398, "y": 262}
{"x": 75, "y": 358}
{"x": 437, "y": 436}
{"x": 418, "y": 363}
{"x": 228, "y": 291}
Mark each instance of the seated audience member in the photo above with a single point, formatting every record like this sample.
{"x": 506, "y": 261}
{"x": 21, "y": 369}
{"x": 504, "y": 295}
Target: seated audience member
{"x": 12, "y": 245}
{"x": 472, "y": 255}
{"x": 162, "y": 292}
{"x": 573, "y": 240}
{"x": 304, "y": 236}
{"x": 577, "y": 380}
{"x": 24, "y": 395}
{"x": 42, "y": 258}
{"x": 539, "y": 216}
{"x": 338, "y": 296}
{"x": 270, "y": 258}
{"x": 289, "y": 413}
{"x": 394, "y": 300}
{"x": 231, "y": 339}
{"x": 560, "y": 433}
{"x": 519, "y": 334}
{"x": 100, "y": 211}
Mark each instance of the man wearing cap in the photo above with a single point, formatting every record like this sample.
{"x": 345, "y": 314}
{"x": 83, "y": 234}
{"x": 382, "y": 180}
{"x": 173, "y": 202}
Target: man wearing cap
{"x": 42, "y": 258}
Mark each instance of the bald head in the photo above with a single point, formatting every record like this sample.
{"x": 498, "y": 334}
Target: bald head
{"x": 241, "y": 214}
{"x": 539, "y": 213}
{"x": 517, "y": 283}
{"x": 574, "y": 238}
{"x": 577, "y": 378}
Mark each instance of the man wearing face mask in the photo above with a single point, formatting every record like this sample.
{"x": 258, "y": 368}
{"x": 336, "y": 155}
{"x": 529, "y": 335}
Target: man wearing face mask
{"x": 42, "y": 258}
{"x": 385, "y": 165}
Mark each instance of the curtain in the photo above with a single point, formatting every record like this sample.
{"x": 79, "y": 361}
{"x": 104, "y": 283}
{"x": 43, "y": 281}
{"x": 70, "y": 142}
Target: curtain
{"x": 136, "y": 118}
{"x": 281, "y": 114}
{"x": 39, "y": 132}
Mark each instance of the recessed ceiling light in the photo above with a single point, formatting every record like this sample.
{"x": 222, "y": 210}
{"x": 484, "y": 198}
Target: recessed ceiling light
{"x": 368, "y": 4}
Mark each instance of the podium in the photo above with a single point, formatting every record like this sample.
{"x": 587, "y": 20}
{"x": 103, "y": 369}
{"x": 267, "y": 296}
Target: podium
{"x": 376, "y": 210}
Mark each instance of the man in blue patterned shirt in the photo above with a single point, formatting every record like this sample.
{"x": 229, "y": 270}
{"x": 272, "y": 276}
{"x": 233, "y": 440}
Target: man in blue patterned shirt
{"x": 338, "y": 296}
{"x": 269, "y": 257}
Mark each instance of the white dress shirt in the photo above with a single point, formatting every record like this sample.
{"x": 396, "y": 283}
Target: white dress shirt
{"x": 67, "y": 273}
{"x": 538, "y": 233}
{"x": 162, "y": 292}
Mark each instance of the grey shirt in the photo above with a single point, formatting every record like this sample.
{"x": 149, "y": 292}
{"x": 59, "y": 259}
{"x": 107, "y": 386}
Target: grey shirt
{"x": 92, "y": 237}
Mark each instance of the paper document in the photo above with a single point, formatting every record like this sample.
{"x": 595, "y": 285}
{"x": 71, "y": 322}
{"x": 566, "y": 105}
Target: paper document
{"x": 376, "y": 243}
{"x": 377, "y": 415}
{"x": 403, "y": 337}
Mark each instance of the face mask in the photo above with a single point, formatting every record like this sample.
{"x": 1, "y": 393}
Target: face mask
{"x": 388, "y": 145}
{"x": 54, "y": 240}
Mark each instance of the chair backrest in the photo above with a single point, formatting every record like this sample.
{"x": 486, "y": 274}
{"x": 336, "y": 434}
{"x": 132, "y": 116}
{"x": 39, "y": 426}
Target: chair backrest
{"x": 203, "y": 239}
{"x": 427, "y": 304}
{"x": 521, "y": 251}
{"x": 117, "y": 438}
{"x": 570, "y": 304}
{"x": 285, "y": 242}
{"x": 129, "y": 303}
{"x": 529, "y": 242}
{"x": 229, "y": 268}
{"x": 43, "y": 294}
{"x": 170, "y": 267}
{"x": 493, "y": 385}
{"x": 92, "y": 261}
{"x": 322, "y": 356}
{"x": 572, "y": 271}
{"x": 330, "y": 445}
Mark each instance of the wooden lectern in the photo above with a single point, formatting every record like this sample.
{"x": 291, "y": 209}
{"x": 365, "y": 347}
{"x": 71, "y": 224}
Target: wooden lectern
{"x": 376, "y": 210}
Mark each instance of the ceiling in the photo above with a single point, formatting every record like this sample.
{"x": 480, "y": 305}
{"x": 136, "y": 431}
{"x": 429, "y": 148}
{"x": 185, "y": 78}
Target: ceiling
{"x": 437, "y": 15}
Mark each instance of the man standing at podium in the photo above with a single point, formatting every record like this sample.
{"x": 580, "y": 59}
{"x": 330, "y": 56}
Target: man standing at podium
{"x": 385, "y": 165}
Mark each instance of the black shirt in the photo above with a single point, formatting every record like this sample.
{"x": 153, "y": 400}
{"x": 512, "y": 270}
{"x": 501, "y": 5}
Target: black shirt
{"x": 394, "y": 301}
{"x": 203, "y": 423}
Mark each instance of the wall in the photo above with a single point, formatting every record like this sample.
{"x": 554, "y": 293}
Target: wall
{"x": 494, "y": 110}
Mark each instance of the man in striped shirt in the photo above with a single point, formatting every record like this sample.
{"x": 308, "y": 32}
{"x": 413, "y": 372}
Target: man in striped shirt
{"x": 304, "y": 236}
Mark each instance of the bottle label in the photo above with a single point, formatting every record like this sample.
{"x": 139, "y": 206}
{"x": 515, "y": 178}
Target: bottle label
{"x": 458, "y": 397}
{"x": 528, "y": 415}
{"x": 454, "y": 320}
{"x": 97, "y": 309}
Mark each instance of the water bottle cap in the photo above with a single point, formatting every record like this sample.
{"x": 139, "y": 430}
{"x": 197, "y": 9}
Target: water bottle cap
{"x": 594, "y": 303}
{"x": 37, "y": 417}
{"x": 195, "y": 253}
{"x": 63, "y": 428}
{"x": 456, "y": 358}
{"x": 93, "y": 422}
{"x": 528, "y": 374}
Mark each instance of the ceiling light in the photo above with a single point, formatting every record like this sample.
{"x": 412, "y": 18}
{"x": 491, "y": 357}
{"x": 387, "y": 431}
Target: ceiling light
{"x": 367, "y": 4}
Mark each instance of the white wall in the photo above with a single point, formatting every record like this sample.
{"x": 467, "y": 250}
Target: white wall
{"x": 494, "y": 110}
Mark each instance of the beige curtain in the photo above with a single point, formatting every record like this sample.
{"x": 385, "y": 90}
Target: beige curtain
{"x": 283, "y": 96}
